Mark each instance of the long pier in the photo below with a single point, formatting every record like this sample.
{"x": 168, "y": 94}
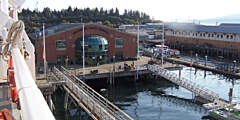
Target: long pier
{"x": 93, "y": 103}
{"x": 193, "y": 87}
{"x": 205, "y": 67}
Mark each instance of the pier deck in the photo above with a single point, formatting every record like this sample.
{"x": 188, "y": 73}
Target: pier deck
{"x": 201, "y": 66}
{"x": 105, "y": 70}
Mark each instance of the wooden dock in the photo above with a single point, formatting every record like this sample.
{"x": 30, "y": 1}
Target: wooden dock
{"x": 107, "y": 70}
{"x": 201, "y": 66}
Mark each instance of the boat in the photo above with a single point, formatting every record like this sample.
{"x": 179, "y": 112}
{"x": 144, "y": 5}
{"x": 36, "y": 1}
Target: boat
{"x": 226, "y": 113}
{"x": 167, "y": 52}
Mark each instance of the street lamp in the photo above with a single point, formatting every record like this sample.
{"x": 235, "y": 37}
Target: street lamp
{"x": 196, "y": 58}
{"x": 113, "y": 69}
{"x": 206, "y": 60}
{"x": 234, "y": 64}
{"x": 113, "y": 63}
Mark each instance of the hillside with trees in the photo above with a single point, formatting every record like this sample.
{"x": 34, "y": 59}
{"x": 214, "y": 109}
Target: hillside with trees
{"x": 110, "y": 17}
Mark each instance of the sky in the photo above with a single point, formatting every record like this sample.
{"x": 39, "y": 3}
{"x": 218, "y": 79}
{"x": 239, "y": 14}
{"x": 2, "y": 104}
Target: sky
{"x": 166, "y": 10}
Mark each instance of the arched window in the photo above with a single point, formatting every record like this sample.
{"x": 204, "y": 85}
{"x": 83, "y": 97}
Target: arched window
{"x": 227, "y": 36}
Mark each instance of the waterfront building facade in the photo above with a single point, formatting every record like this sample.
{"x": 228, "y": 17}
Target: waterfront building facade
{"x": 64, "y": 44}
{"x": 222, "y": 40}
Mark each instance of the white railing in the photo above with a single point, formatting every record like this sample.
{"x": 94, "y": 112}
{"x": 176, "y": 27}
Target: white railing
{"x": 193, "y": 87}
{"x": 32, "y": 102}
{"x": 103, "y": 108}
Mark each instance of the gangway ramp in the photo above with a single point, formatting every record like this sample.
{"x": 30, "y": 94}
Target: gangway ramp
{"x": 93, "y": 103}
{"x": 189, "y": 85}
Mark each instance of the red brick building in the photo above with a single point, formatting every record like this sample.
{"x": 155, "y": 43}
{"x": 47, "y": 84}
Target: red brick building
{"x": 61, "y": 42}
{"x": 222, "y": 40}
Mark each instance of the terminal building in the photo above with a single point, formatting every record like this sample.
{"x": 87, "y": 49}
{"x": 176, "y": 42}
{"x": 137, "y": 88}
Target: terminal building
{"x": 222, "y": 40}
{"x": 64, "y": 43}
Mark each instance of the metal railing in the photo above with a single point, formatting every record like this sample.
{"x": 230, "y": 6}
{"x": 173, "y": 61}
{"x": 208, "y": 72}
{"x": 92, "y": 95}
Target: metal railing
{"x": 193, "y": 87}
{"x": 100, "y": 107}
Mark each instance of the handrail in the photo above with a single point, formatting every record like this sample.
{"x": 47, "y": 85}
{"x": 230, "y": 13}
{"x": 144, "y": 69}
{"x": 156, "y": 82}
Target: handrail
{"x": 97, "y": 96}
{"x": 33, "y": 104}
{"x": 193, "y": 87}
{"x": 111, "y": 108}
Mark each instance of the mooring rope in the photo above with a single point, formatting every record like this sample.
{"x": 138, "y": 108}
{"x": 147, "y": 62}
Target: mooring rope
{"x": 14, "y": 39}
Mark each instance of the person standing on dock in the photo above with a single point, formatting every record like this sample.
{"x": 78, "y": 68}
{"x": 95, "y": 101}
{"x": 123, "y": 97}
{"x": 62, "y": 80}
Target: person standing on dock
{"x": 132, "y": 65}
{"x": 119, "y": 67}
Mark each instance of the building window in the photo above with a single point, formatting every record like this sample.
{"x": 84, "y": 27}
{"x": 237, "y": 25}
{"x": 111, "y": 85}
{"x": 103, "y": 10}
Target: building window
{"x": 212, "y": 35}
{"x": 209, "y": 35}
{"x": 227, "y": 36}
{"x": 61, "y": 44}
{"x": 231, "y": 37}
{"x": 119, "y": 55}
{"x": 200, "y": 34}
{"x": 221, "y": 36}
{"x": 118, "y": 43}
{"x": 203, "y": 34}
{"x": 70, "y": 37}
{"x": 217, "y": 36}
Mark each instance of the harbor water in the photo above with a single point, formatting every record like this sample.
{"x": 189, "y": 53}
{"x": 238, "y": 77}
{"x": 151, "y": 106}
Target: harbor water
{"x": 158, "y": 99}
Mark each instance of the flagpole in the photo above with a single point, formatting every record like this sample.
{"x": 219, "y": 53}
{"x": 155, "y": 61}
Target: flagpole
{"x": 44, "y": 52}
{"x": 137, "y": 49}
{"x": 83, "y": 54}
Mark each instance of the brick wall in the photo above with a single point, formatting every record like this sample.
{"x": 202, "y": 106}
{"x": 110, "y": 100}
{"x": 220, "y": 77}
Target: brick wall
{"x": 197, "y": 41}
{"x": 129, "y": 42}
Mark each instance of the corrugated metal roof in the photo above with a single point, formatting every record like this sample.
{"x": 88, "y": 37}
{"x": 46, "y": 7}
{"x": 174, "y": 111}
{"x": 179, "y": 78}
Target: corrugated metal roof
{"x": 223, "y": 28}
{"x": 64, "y": 27}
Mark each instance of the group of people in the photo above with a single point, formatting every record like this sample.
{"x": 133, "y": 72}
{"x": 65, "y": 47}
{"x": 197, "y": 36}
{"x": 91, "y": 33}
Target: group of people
{"x": 126, "y": 66}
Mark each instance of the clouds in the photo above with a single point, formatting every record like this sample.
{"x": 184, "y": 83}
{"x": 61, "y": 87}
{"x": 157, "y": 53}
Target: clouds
{"x": 159, "y": 9}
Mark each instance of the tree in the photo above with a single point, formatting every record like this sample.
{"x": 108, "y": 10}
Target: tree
{"x": 107, "y": 23}
{"x": 116, "y": 12}
{"x": 110, "y": 17}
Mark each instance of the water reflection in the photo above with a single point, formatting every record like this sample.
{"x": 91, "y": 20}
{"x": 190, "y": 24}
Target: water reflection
{"x": 151, "y": 99}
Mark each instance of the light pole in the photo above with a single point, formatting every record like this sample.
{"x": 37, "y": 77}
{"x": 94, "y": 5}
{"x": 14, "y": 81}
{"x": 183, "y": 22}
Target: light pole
{"x": 83, "y": 54}
{"x": 113, "y": 68}
{"x": 137, "y": 49}
{"x": 206, "y": 60}
{"x": 234, "y": 65}
{"x": 196, "y": 58}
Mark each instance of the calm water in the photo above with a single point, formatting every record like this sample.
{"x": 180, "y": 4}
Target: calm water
{"x": 152, "y": 99}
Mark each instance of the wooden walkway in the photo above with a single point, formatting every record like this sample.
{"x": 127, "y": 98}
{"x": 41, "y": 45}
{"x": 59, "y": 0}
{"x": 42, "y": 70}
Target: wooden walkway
{"x": 94, "y": 104}
{"x": 189, "y": 85}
